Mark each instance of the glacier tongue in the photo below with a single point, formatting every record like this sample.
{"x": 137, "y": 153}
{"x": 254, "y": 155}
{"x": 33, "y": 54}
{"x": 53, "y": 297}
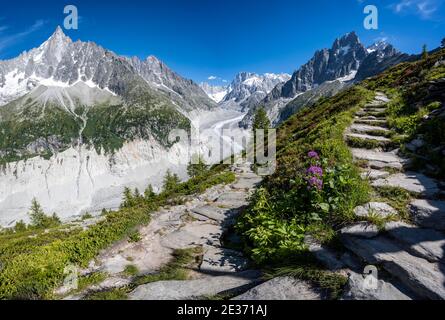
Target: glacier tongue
{"x": 61, "y": 187}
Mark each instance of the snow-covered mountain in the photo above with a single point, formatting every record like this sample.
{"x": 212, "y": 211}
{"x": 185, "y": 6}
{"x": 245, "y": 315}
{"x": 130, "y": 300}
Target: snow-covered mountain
{"x": 346, "y": 61}
{"x": 216, "y": 93}
{"x": 60, "y": 62}
{"x": 78, "y": 123}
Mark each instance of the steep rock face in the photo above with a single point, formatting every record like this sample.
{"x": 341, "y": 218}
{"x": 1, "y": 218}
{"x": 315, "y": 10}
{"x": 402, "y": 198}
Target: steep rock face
{"x": 380, "y": 57}
{"x": 247, "y": 89}
{"x": 80, "y": 180}
{"x": 341, "y": 60}
{"x": 327, "y": 72}
{"x": 184, "y": 92}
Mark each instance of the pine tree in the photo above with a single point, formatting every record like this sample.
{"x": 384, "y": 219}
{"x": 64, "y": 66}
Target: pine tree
{"x": 128, "y": 198}
{"x": 261, "y": 120}
{"x": 149, "y": 193}
{"x": 424, "y": 52}
{"x": 36, "y": 214}
{"x": 171, "y": 181}
{"x": 196, "y": 167}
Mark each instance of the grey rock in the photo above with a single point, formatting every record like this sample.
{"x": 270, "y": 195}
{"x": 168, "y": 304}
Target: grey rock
{"x": 379, "y": 208}
{"x": 356, "y": 289}
{"x": 195, "y": 289}
{"x": 425, "y": 243}
{"x": 361, "y": 229}
{"x": 362, "y": 128}
{"x": 325, "y": 255}
{"x": 220, "y": 260}
{"x": 211, "y": 212}
{"x": 428, "y": 213}
{"x": 372, "y": 174}
{"x": 282, "y": 288}
{"x": 411, "y": 181}
{"x": 368, "y": 137}
{"x": 424, "y": 278}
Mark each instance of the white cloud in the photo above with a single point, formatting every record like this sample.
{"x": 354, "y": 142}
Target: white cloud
{"x": 423, "y": 8}
{"x": 9, "y": 40}
{"x": 212, "y": 78}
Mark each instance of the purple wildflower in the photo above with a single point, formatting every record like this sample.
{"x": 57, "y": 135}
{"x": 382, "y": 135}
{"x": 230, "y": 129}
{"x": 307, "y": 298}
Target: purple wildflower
{"x": 315, "y": 170}
{"x": 316, "y": 183}
{"x": 313, "y": 155}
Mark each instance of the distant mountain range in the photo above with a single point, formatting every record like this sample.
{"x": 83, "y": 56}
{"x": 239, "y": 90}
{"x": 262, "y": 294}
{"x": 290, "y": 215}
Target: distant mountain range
{"x": 325, "y": 74}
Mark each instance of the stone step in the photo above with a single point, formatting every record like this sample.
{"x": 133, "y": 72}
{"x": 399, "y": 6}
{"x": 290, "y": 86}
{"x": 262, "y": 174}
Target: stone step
{"x": 424, "y": 278}
{"x": 372, "y": 130}
{"x": 283, "y": 288}
{"x": 371, "y": 109}
{"x": 380, "y": 139}
{"x": 371, "y": 122}
{"x": 413, "y": 182}
{"x": 381, "y": 97}
{"x": 381, "y": 159}
{"x": 220, "y": 260}
{"x": 246, "y": 183}
{"x": 424, "y": 243}
{"x": 195, "y": 289}
{"x": 232, "y": 200}
{"x": 372, "y": 174}
{"x": 428, "y": 213}
{"x": 211, "y": 212}
{"x": 376, "y": 114}
{"x": 368, "y": 117}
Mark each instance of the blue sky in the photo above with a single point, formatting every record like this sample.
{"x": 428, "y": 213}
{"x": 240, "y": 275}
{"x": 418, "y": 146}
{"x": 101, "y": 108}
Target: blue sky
{"x": 203, "y": 38}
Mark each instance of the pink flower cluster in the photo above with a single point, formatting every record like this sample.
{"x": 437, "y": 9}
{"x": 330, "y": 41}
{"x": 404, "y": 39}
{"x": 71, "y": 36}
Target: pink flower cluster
{"x": 314, "y": 175}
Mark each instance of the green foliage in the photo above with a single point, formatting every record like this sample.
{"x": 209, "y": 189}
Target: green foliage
{"x": 424, "y": 52}
{"x": 34, "y": 260}
{"x": 177, "y": 269}
{"x": 355, "y": 142}
{"x": 285, "y": 209}
{"x": 39, "y": 219}
{"x": 134, "y": 236}
{"x": 131, "y": 270}
{"x": 261, "y": 120}
{"x": 171, "y": 181}
{"x": 196, "y": 167}
{"x": 112, "y": 295}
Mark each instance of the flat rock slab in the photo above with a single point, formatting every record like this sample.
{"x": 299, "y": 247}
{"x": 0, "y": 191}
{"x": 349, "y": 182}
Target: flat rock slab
{"x": 357, "y": 289}
{"x": 371, "y": 122}
{"x": 361, "y": 229}
{"x": 192, "y": 235}
{"x": 428, "y": 213}
{"x": 232, "y": 200}
{"x": 425, "y": 243}
{"x": 424, "y": 278}
{"x": 282, "y": 288}
{"x": 368, "y": 137}
{"x": 195, "y": 289}
{"x": 381, "y": 209}
{"x": 373, "y": 174}
{"x": 220, "y": 260}
{"x": 363, "y": 128}
{"x": 246, "y": 183}
{"x": 412, "y": 182}
{"x": 372, "y": 155}
{"x": 211, "y": 212}
{"x": 323, "y": 254}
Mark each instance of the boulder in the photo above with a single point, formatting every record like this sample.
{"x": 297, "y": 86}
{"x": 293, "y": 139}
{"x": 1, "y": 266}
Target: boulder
{"x": 283, "y": 288}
